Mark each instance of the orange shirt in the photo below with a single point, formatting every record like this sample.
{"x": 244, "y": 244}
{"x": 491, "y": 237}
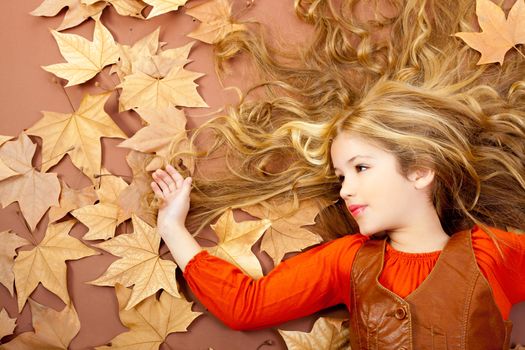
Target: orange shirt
{"x": 320, "y": 277}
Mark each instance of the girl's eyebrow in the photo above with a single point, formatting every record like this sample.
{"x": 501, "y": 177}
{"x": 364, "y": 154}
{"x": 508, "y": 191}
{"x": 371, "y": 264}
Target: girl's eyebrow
{"x": 354, "y": 157}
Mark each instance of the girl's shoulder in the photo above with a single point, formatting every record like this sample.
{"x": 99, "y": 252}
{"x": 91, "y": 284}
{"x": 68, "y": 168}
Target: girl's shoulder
{"x": 510, "y": 241}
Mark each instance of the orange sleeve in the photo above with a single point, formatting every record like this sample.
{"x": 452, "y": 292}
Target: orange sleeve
{"x": 505, "y": 275}
{"x": 308, "y": 282}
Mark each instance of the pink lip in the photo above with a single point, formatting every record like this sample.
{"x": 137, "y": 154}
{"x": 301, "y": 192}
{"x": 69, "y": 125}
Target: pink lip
{"x": 356, "y": 209}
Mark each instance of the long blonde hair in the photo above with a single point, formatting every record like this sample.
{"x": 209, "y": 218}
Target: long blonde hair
{"x": 423, "y": 98}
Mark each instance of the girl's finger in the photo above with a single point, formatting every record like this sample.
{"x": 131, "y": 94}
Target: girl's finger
{"x": 160, "y": 182}
{"x": 156, "y": 190}
{"x": 177, "y": 177}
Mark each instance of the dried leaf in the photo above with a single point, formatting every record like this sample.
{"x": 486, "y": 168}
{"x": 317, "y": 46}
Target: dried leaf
{"x": 285, "y": 234}
{"x": 5, "y": 171}
{"x": 103, "y": 218}
{"x": 146, "y": 46}
{"x": 150, "y": 321}
{"x": 9, "y": 243}
{"x": 77, "y": 134}
{"x": 166, "y": 131}
{"x": 123, "y": 7}
{"x": 34, "y": 191}
{"x": 140, "y": 265}
{"x": 76, "y": 12}
{"x": 498, "y": 34}
{"x": 71, "y": 199}
{"x": 46, "y": 262}
{"x": 236, "y": 240}
{"x": 327, "y": 333}
{"x": 163, "y": 6}
{"x": 7, "y": 324}
{"x": 141, "y": 91}
{"x": 216, "y": 21}
{"x": 53, "y": 329}
{"x": 85, "y": 59}
{"x": 132, "y": 199}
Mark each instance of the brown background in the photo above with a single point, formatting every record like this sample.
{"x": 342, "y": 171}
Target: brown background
{"x": 26, "y": 90}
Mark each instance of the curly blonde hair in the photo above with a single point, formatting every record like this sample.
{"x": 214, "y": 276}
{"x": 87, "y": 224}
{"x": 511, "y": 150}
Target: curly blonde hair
{"x": 399, "y": 79}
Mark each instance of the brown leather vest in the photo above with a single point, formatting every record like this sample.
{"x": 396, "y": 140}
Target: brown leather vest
{"x": 453, "y": 308}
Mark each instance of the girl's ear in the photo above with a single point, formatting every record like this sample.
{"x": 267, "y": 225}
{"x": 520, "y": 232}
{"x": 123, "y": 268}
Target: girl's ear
{"x": 421, "y": 177}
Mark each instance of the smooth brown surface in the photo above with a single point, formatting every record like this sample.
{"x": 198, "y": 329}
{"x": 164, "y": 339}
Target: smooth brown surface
{"x": 26, "y": 90}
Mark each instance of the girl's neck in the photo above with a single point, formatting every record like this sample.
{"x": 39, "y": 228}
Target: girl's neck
{"x": 423, "y": 234}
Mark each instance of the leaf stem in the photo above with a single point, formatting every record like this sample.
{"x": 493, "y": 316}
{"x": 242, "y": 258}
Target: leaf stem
{"x": 54, "y": 80}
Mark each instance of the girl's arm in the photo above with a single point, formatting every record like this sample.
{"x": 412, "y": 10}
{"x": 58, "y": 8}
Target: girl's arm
{"x": 302, "y": 285}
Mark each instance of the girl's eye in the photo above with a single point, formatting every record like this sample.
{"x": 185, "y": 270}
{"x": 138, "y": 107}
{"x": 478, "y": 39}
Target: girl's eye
{"x": 359, "y": 167}
{"x": 341, "y": 178}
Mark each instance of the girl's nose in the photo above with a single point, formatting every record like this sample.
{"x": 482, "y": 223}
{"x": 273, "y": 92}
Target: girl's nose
{"x": 346, "y": 190}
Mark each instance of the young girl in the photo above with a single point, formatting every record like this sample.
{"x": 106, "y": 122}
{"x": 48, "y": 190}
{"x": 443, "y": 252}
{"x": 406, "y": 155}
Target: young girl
{"x": 400, "y": 176}
{"x": 427, "y": 153}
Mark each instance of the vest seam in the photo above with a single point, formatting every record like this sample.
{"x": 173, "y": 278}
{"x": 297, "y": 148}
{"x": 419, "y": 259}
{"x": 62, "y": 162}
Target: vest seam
{"x": 354, "y": 302}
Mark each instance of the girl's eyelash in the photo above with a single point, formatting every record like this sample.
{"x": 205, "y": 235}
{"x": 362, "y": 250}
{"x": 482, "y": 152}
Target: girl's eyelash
{"x": 341, "y": 178}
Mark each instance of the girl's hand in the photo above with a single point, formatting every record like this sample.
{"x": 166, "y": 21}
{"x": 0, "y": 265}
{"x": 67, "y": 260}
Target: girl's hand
{"x": 174, "y": 191}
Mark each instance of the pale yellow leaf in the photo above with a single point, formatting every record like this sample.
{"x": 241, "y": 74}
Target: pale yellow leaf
{"x": 34, "y": 191}
{"x": 133, "y": 198}
{"x": 46, "y": 262}
{"x": 163, "y": 6}
{"x": 151, "y": 320}
{"x": 140, "y": 264}
{"x": 7, "y": 324}
{"x": 77, "y": 134}
{"x": 100, "y": 218}
{"x": 498, "y": 34}
{"x": 236, "y": 240}
{"x": 327, "y": 334}
{"x": 71, "y": 199}
{"x": 84, "y": 58}
{"x": 286, "y": 233}
{"x": 216, "y": 21}
{"x": 9, "y": 242}
{"x": 123, "y": 7}
{"x": 76, "y": 12}
{"x": 141, "y": 91}
{"x": 53, "y": 329}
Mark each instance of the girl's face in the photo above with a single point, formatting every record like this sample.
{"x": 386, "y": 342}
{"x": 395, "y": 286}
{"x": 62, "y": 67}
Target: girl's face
{"x": 376, "y": 194}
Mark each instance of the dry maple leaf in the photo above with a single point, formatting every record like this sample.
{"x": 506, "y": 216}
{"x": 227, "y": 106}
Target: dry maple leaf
{"x": 34, "y": 191}
{"x": 71, "y": 199}
{"x": 236, "y": 240}
{"x": 46, "y": 262}
{"x": 7, "y": 324}
{"x": 327, "y": 334}
{"x": 166, "y": 127}
{"x": 286, "y": 234}
{"x": 85, "y": 59}
{"x": 77, "y": 134}
{"x": 76, "y": 13}
{"x": 141, "y": 91}
{"x": 9, "y": 243}
{"x": 165, "y": 132}
{"x": 103, "y": 218}
{"x": 5, "y": 171}
{"x": 123, "y": 7}
{"x": 163, "y": 6}
{"x": 498, "y": 34}
{"x": 158, "y": 66}
{"x": 132, "y": 198}
{"x": 53, "y": 329}
{"x": 151, "y": 321}
{"x": 216, "y": 21}
{"x": 147, "y": 46}
{"x": 140, "y": 264}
